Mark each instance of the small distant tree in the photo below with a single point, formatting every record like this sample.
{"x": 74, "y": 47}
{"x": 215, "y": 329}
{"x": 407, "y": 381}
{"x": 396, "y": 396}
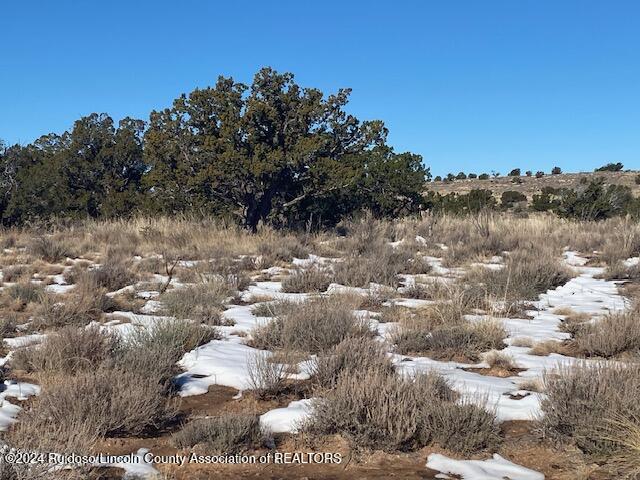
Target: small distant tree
{"x": 509, "y": 198}
{"x": 461, "y": 176}
{"x": 478, "y": 199}
{"x": 528, "y": 173}
{"x": 437, "y": 178}
{"x": 547, "y": 199}
{"x": 483, "y": 176}
{"x": 539, "y": 174}
{"x": 495, "y": 174}
{"x": 556, "y": 171}
{"x": 610, "y": 167}
{"x": 472, "y": 176}
{"x": 450, "y": 177}
{"x": 595, "y": 201}
{"x": 515, "y": 172}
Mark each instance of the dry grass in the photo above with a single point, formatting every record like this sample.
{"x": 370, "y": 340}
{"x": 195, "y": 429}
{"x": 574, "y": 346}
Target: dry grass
{"x": 80, "y": 308}
{"x": 313, "y": 326}
{"x": 50, "y": 248}
{"x": 306, "y": 280}
{"x": 23, "y": 293}
{"x": 527, "y": 274}
{"x": 69, "y": 350}
{"x": 228, "y": 434}
{"x": 623, "y": 432}
{"x": 619, "y": 271}
{"x": 395, "y": 313}
{"x": 203, "y": 302}
{"x": 17, "y": 273}
{"x": 377, "y": 410}
{"x": 546, "y": 347}
{"x": 500, "y": 360}
{"x": 522, "y": 342}
{"x": 610, "y": 336}
{"x": 105, "y": 401}
{"x": 449, "y": 340}
{"x": 155, "y": 350}
{"x": 347, "y": 358}
{"x": 419, "y": 291}
{"x": 581, "y": 399}
{"x": 266, "y": 375}
{"x": 7, "y": 325}
{"x": 622, "y": 241}
{"x": 274, "y": 249}
{"x": 531, "y": 384}
{"x": 113, "y": 274}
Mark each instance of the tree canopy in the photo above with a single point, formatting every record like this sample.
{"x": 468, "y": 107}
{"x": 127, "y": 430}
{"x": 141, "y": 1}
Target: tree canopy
{"x": 270, "y": 152}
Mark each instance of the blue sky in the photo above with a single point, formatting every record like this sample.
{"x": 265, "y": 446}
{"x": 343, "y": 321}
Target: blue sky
{"x": 470, "y": 85}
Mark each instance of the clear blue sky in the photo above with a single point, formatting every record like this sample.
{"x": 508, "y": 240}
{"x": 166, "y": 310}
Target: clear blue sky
{"x": 471, "y": 85}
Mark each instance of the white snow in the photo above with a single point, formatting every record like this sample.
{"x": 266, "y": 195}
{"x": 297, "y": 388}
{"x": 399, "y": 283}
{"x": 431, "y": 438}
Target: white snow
{"x": 219, "y": 362}
{"x": 136, "y": 468}
{"x": 583, "y": 293}
{"x": 25, "y": 340}
{"x": 496, "y": 468}
{"x": 287, "y": 419}
{"x": 57, "y": 288}
{"x": 18, "y": 390}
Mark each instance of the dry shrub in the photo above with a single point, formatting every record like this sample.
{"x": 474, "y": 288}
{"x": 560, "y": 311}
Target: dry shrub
{"x": 377, "y": 410}
{"x": 417, "y": 290}
{"x": 362, "y": 235}
{"x": 9, "y": 238}
{"x": 581, "y": 399}
{"x": 416, "y": 265}
{"x": 619, "y": 271}
{"x": 622, "y": 241}
{"x": 609, "y": 336}
{"x": 277, "y": 248}
{"x": 499, "y": 360}
{"x": 82, "y": 307}
{"x": 527, "y": 274}
{"x": 395, "y": 313}
{"x": 69, "y": 350}
{"x": 464, "y": 427}
{"x": 155, "y": 350}
{"x": 106, "y": 401}
{"x": 623, "y": 431}
{"x": 7, "y": 325}
{"x": 313, "y": 326}
{"x": 112, "y": 274}
{"x": 379, "y": 265}
{"x": 66, "y": 439}
{"x": 226, "y": 434}
{"x": 203, "y": 302}
{"x": 522, "y": 342}
{"x": 272, "y": 308}
{"x": 546, "y": 347}
{"x": 531, "y": 385}
{"x": 449, "y": 341}
{"x": 50, "y": 248}
{"x": 17, "y": 273}
{"x": 348, "y": 357}
{"x": 116, "y": 239}
{"x": 306, "y": 280}
{"x": 24, "y": 292}
{"x": 266, "y": 376}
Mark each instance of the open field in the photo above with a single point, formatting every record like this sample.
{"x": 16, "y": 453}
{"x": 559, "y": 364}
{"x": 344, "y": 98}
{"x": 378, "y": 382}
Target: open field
{"x": 485, "y": 346}
{"x": 530, "y": 186}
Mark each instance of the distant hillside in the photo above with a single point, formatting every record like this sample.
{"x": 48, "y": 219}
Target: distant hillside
{"x": 531, "y": 185}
